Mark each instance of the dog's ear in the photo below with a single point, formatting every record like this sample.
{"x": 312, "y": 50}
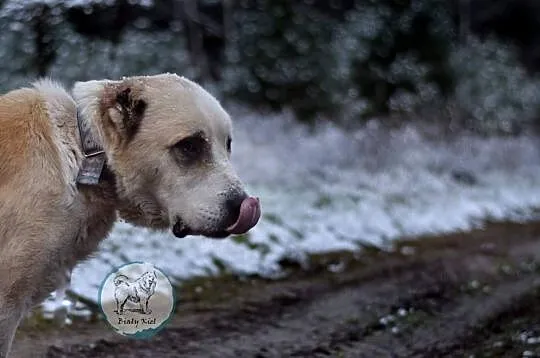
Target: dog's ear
{"x": 117, "y": 106}
{"x": 124, "y": 108}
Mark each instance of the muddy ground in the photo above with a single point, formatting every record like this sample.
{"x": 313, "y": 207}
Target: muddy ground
{"x": 462, "y": 295}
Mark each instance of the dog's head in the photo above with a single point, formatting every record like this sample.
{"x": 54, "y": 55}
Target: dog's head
{"x": 149, "y": 279}
{"x": 168, "y": 143}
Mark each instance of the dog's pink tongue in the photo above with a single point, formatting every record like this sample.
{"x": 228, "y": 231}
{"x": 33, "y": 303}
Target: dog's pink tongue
{"x": 250, "y": 213}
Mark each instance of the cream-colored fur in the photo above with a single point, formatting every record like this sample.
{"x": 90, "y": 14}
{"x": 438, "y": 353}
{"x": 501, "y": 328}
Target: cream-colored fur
{"x": 49, "y": 222}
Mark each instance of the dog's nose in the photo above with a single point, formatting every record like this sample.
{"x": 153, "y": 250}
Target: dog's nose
{"x": 244, "y": 213}
{"x": 232, "y": 205}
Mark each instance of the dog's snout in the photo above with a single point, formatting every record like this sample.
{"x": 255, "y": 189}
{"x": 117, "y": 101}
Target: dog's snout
{"x": 243, "y": 213}
{"x": 233, "y": 204}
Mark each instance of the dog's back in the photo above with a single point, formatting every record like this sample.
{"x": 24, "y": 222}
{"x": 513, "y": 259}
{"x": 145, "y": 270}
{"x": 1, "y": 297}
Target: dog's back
{"x": 121, "y": 280}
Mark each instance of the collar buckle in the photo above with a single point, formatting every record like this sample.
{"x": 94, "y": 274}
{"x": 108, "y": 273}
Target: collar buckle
{"x": 93, "y": 154}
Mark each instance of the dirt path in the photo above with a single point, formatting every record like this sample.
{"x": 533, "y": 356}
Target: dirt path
{"x": 462, "y": 295}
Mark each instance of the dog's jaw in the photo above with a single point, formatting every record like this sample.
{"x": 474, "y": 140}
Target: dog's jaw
{"x": 143, "y": 213}
{"x": 181, "y": 230}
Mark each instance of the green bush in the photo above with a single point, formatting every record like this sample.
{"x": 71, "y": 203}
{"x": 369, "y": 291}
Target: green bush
{"x": 280, "y": 56}
{"x": 493, "y": 88}
{"x": 398, "y": 52}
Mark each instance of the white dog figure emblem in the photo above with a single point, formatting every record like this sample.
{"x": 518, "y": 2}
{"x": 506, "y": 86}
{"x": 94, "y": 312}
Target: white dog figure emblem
{"x": 139, "y": 291}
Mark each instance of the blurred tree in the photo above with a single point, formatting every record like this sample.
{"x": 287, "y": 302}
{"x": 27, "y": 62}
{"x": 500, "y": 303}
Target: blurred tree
{"x": 45, "y": 43}
{"x": 103, "y": 20}
{"x": 402, "y": 49}
{"x": 280, "y": 56}
{"x": 517, "y": 21}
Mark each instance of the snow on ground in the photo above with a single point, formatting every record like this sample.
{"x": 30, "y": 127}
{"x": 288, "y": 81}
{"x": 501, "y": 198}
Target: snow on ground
{"x": 334, "y": 190}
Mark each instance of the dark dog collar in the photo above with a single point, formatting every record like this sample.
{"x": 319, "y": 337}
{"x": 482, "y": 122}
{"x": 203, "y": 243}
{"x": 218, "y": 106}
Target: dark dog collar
{"x": 94, "y": 156}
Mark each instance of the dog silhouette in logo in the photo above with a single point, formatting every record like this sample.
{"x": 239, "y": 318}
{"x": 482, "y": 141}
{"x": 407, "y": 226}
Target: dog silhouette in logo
{"x": 138, "y": 291}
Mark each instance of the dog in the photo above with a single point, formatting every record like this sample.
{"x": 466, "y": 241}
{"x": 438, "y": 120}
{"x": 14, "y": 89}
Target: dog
{"x": 138, "y": 291}
{"x": 152, "y": 150}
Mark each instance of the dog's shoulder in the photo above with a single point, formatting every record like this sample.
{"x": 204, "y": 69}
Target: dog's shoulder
{"x": 31, "y": 119}
{"x": 23, "y": 120}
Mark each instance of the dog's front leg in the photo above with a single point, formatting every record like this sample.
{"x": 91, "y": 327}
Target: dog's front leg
{"x": 144, "y": 306}
{"x": 9, "y": 321}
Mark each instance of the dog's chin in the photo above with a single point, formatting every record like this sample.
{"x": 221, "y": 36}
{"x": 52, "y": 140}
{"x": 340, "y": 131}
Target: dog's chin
{"x": 149, "y": 219}
{"x": 181, "y": 230}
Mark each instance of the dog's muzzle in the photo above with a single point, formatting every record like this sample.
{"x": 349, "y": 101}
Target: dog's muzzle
{"x": 247, "y": 215}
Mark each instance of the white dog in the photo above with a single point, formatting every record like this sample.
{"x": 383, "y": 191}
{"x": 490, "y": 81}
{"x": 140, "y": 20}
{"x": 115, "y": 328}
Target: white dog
{"x": 138, "y": 291}
{"x": 154, "y": 149}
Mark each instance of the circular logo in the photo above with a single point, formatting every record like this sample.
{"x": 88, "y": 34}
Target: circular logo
{"x": 137, "y": 299}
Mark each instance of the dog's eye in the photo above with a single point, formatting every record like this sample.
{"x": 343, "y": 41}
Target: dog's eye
{"x": 229, "y": 142}
{"x": 191, "y": 148}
